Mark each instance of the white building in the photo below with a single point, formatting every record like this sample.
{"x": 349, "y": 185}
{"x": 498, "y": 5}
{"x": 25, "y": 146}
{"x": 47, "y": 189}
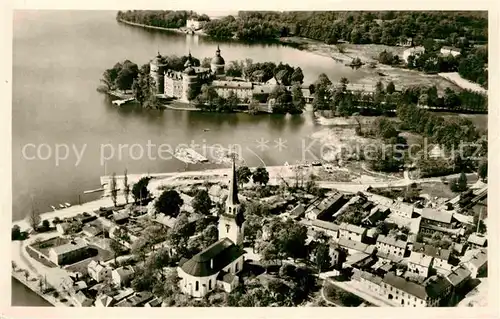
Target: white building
{"x": 98, "y": 271}
{"x": 415, "y": 51}
{"x": 219, "y": 264}
{"x": 419, "y": 264}
{"x": 476, "y": 261}
{"x": 328, "y": 228}
{"x": 194, "y": 24}
{"x": 68, "y": 253}
{"x": 391, "y": 245}
{"x": 440, "y": 256}
{"x": 122, "y": 276}
{"x": 352, "y": 232}
{"x": 449, "y": 51}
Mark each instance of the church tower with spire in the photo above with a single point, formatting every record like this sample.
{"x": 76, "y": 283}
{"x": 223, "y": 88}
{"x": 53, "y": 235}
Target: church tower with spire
{"x": 231, "y": 222}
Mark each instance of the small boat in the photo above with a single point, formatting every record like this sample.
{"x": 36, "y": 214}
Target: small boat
{"x": 52, "y": 206}
{"x": 206, "y": 129}
{"x": 67, "y": 204}
{"x": 61, "y": 206}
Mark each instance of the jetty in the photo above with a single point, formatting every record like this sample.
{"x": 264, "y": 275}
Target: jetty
{"x": 121, "y": 102}
{"x": 189, "y": 156}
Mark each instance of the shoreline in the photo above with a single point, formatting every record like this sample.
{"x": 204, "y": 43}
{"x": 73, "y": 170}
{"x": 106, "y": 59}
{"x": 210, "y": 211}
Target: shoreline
{"x": 145, "y": 26}
{"x": 48, "y": 298}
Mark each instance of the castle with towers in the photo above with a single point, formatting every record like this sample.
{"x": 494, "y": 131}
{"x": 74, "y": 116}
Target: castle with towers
{"x": 177, "y": 84}
{"x": 219, "y": 264}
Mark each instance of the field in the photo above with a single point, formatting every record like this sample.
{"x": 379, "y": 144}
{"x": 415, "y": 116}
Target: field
{"x": 368, "y": 53}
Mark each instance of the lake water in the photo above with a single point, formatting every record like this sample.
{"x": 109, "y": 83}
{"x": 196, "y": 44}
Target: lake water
{"x": 58, "y": 59}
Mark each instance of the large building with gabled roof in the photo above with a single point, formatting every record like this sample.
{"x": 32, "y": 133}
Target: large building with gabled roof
{"x": 219, "y": 264}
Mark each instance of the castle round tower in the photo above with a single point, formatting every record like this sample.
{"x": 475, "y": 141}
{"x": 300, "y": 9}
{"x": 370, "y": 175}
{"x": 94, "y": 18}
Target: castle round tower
{"x": 157, "y": 72}
{"x": 189, "y": 79}
{"x": 217, "y": 64}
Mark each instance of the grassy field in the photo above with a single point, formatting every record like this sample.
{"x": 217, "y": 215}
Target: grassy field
{"x": 368, "y": 53}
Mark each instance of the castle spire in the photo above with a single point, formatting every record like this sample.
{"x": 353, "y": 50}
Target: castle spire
{"x": 218, "y": 50}
{"x": 232, "y": 198}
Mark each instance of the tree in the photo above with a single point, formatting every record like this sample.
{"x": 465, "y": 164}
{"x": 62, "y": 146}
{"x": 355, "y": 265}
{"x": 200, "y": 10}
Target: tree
{"x": 232, "y": 101}
{"x": 390, "y": 88}
{"x": 117, "y": 249}
{"x": 298, "y": 100}
{"x": 462, "y": 182}
{"x": 113, "y": 188}
{"x": 140, "y": 248}
{"x": 202, "y": 204}
{"x": 16, "y": 232}
{"x": 297, "y": 75}
{"x": 169, "y": 203}
{"x": 483, "y": 170}
{"x": 45, "y": 224}
{"x": 322, "y": 258}
{"x": 126, "y": 186}
{"x": 253, "y": 107}
{"x": 140, "y": 189}
{"x": 34, "y": 218}
{"x": 243, "y": 175}
{"x": 260, "y": 175}
{"x": 126, "y": 76}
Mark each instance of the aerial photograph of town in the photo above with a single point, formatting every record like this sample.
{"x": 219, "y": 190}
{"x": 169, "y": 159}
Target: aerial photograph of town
{"x": 249, "y": 158}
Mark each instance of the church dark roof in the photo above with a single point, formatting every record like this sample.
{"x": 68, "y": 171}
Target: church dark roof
{"x": 232, "y": 197}
{"x": 222, "y": 253}
{"x": 190, "y": 71}
{"x": 218, "y": 59}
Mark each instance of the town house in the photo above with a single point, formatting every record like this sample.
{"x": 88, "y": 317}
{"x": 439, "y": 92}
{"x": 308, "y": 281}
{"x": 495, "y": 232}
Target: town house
{"x": 419, "y": 264}
{"x": 391, "y": 246}
{"x": 98, "y": 271}
{"x": 328, "y": 228}
{"x": 440, "y": 256}
{"x": 352, "y": 232}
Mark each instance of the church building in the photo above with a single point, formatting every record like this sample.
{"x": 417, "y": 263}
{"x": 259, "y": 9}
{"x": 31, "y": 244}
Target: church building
{"x": 219, "y": 264}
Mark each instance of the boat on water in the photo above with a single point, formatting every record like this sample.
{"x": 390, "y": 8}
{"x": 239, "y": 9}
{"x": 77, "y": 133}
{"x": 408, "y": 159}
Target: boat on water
{"x": 52, "y": 206}
{"x": 62, "y": 206}
{"x": 206, "y": 129}
{"x": 67, "y": 204}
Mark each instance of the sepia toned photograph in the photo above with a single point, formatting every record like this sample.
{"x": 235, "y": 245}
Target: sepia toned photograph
{"x": 249, "y": 158}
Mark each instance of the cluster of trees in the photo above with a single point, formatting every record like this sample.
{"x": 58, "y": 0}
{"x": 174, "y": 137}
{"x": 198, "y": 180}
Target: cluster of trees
{"x": 292, "y": 287}
{"x": 121, "y": 76}
{"x": 343, "y": 297}
{"x": 284, "y": 74}
{"x": 460, "y": 184}
{"x": 388, "y": 58}
{"x": 144, "y": 89}
{"x": 346, "y": 102}
{"x": 379, "y": 27}
{"x": 284, "y": 239}
{"x": 465, "y": 100}
{"x": 162, "y": 19}
{"x": 259, "y": 176}
{"x": 470, "y": 64}
{"x": 450, "y": 133}
{"x": 209, "y": 100}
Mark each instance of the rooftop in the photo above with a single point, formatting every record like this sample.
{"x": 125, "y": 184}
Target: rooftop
{"x": 223, "y": 252}
{"x": 432, "y": 288}
{"x": 352, "y": 228}
{"x": 458, "y": 275}
{"x": 432, "y": 251}
{"x": 326, "y": 225}
{"x": 477, "y": 239}
{"x": 232, "y": 84}
{"x": 420, "y": 259}
{"x": 436, "y": 215}
{"x": 69, "y": 247}
{"x": 392, "y": 241}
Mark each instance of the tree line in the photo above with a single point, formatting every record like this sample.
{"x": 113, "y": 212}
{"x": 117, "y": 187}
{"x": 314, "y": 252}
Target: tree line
{"x": 378, "y": 27}
{"x": 162, "y": 19}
